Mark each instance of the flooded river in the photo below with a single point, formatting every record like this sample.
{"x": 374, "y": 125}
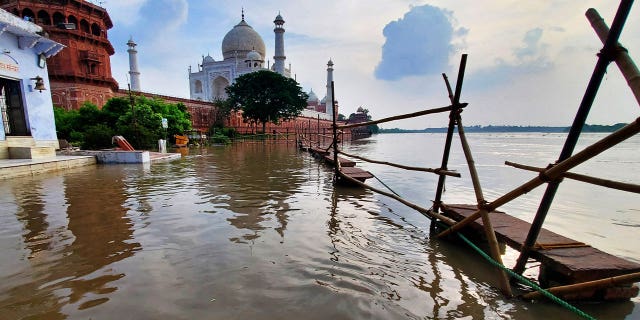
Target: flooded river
{"x": 258, "y": 231}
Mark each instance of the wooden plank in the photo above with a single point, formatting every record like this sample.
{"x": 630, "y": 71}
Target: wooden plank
{"x": 356, "y": 173}
{"x": 576, "y": 263}
{"x": 343, "y": 161}
{"x": 319, "y": 151}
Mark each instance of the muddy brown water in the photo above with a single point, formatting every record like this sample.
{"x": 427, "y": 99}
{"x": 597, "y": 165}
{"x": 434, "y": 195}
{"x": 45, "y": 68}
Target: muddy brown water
{"x": 258, "y": 231}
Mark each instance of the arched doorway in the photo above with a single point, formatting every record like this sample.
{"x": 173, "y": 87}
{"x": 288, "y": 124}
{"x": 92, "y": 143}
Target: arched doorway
{"x": 13, "y": 115}
{"x": 219, "y": 84}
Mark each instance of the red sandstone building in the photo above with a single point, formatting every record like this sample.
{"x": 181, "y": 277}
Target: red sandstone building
{"x": 82, "y": 71}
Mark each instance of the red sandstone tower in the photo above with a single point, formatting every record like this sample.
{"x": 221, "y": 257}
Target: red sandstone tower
{"x": 81, "y": 71}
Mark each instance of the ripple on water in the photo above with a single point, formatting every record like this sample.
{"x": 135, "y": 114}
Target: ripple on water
{"x": 245, "y": 231}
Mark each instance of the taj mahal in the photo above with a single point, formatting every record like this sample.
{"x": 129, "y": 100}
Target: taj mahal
{"x": 244, "y": 51}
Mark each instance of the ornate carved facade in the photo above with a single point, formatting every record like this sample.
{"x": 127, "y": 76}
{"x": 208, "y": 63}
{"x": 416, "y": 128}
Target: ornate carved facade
{"x": 82, "y": 71}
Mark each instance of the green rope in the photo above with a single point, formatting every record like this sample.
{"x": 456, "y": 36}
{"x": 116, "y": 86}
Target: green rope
{"x": 384, "y": 184}
{"x": 526, "y": 281}
{"x": 518, "y": 277}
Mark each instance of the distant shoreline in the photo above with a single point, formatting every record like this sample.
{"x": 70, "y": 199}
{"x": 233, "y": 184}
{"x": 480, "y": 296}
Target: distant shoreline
{"x": 498, "y": 129}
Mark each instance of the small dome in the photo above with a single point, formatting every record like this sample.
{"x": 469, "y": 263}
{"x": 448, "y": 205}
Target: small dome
{"x": 254, "y": 56}
{"x": 240, "y": 40}
{"x": 208, "y": 59}
{"x": 330, "y": 63}
{"x": 278, "y": 19}
{"x": 312, "y": 97}
{"x": 360, "y": 110}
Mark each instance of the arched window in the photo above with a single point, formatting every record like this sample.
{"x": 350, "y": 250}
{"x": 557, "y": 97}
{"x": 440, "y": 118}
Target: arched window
{"x": 95, "y": 29}
{"x": 84, "y": 26}
{"x": 58, "y": 18}
{"x": 219, "y": 84}
{"x": 73, "y": 19}
{"x": 198, "y": 86}
{"x": 27, "y": 14}
{"x": 44, "y": 18}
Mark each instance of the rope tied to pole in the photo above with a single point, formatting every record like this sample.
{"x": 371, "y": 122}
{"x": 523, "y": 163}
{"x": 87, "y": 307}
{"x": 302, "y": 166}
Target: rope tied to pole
{"x": 611, "y": 54}
{"x": 546, "y": 178}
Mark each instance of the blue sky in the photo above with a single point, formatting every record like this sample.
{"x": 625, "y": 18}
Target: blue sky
{"x": 529, "y": 61}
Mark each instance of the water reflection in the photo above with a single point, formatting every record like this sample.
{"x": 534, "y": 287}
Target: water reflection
{"x": 238, "y": 232}
{"x": 254, "y": 181}
{"x": 67, "y": 254}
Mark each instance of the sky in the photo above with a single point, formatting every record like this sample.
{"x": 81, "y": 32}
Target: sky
{"x": 528, "y": 63}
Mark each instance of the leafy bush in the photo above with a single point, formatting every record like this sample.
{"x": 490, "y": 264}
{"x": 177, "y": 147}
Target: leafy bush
{"x": 97, "y": 137}
{"x": 141, "y": 124}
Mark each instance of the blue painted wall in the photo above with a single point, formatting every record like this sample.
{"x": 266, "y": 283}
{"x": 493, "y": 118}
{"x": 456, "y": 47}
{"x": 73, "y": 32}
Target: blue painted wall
{"x": 38, "y": 105}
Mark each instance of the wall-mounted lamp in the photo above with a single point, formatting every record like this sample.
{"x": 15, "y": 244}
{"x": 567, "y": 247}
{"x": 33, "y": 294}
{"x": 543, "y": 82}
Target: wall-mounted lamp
{"x": 39, "y": 83}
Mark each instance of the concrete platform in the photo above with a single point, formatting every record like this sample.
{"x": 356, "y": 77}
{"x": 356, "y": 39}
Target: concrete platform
{"x": 129, "y": 157}
{"x": 11, "y": 168}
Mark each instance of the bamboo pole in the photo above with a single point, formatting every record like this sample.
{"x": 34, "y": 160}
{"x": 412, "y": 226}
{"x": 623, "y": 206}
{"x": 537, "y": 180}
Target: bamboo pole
{"x": 425, "y": 212}
{"x": 494, "y": 247}
{"x": 403, "y": 116}
{"x": 553, "y": 172}
{"x": 622, "y": 186}
{"x": 336, "y": 163}
{"x": 589, "y": 285}
{"x": 579, "y": 120}
{"x": 436, "y": 171}
{"x": 477, "y": 188}
{"x": 625, "y": 63}
{"x": 455, "y": 100}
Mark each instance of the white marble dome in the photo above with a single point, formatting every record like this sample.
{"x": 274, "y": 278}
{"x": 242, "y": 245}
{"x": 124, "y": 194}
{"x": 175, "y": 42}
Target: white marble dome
{"x": 241, "y": 40}
{"x": 312, "y": 97}
{"x": 254, "y": 56}
{"x": 208, "y": 59}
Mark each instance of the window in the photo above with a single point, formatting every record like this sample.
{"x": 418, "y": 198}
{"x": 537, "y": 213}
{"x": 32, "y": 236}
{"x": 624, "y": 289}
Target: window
{"x": 28, "y": 15}
{"x": 198, "y": 86}
{"x": 95, "y": 29}
{"x": 84, "y": 26}
{"x": 58, "y": 18}
{"x": 73, "y": 20}
{"x": 44, "y": 18}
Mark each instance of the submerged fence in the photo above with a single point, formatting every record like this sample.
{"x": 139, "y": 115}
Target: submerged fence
{"x": 552, "y": 175}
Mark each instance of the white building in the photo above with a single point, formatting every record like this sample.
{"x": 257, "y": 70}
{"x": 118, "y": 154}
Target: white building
{"x": 27, "y": 129}
{"x": 243, "y": 51}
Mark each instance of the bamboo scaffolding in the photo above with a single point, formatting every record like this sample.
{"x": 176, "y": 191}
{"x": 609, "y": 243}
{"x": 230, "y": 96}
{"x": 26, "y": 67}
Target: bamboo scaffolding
{"x": 403, "y": 116}
{"x": 589, "y": 285}
{"x": 599, "y": 71}
{"x": 625, "y": 63}
{"x": 494, "y": 247}
{"x": 553, "y": 173}
{"x": 431, "y": 170}
{"x": 622, "y": 186}
{"x": 426, "y": 212}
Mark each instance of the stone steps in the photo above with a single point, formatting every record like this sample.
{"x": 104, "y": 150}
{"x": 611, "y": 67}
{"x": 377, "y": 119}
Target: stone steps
{"x": 32, "y": 152}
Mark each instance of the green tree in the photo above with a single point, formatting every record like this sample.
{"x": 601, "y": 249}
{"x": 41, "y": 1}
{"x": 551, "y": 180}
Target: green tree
{"x": 144, "y": 130}
{"x": 65, "y": 122}
{"x": 93, "y": 128}
{"x": 266, "y": 96}
{"x": 221, "y": 111}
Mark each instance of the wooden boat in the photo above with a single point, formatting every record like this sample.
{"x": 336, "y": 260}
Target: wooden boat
{"x": 181, "y": 140}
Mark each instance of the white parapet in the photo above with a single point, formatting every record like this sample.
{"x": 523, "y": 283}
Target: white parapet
{"x": 118, "y": 156}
